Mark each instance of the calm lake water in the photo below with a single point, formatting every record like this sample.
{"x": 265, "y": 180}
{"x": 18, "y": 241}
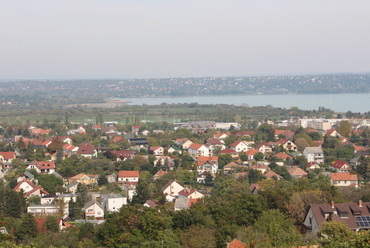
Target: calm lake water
{"x": 336, "y": 102}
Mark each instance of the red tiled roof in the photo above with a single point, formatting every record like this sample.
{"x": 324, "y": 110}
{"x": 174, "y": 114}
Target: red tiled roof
{"x": 128, "y": 173}
{"x": 296, "y": 171}
{"x": 237, "y": 142}
{"x": 236, "y": 244}
{"x": 195, "y": 146}
{"x": 282, "y": 155}
{"x": 227, "y": 151}
{"x": 271, "y": 174}
{"x": 7, "y": 155}
{"x": 339, "y": 163}
{"x": 251, "y": 152}
{"x": 342, "y": 176}
{"x": 186, "y": 192}
{"x": 16, "y": 188}
{"x": 86, "y": 148}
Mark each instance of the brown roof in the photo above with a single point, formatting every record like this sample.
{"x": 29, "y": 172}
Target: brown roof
{"x": 319, "y": 211}
{"x": 282, "y": 155}
{"x": 271, "y": 174}
{"x": 128, "y": 174}
{"x": 186, "y": 192}
{"x": 16, "y": 188}
{"x": 227, "y": 151}
{"x": 251, "y": 152}
{"x": 296, "y": 171}
{"x": 86, "y": 148}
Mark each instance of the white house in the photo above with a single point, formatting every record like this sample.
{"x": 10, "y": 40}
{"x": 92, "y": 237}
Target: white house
{"x": 314, "y": 154}
{"x": 197, "y": 150}
{"x": 171, "y": 190}
{"x": 156, "y": 150}
{"x": 128, "y": 176}
{"x": 240, "y": 146}
{"x": 344, "y": 179}
{"x": 93, "y": 210}
{"x": 113, "y": 202}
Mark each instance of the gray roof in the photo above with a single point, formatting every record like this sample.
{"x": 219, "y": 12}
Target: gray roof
{"x": 29, "y": 175}
{"x": 314, "y": 150}
{"x": 72, "y": 184}
{"x": 182, "y": 203}
{"x": 90, "y": 203}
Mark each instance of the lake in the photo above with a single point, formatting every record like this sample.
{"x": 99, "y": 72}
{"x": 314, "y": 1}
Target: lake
{"x": 336, "y": 102}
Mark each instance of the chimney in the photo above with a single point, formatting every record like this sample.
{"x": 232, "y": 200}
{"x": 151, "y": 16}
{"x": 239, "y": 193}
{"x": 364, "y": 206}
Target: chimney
{"x": 360, "y": 203}
{"x": 332, "y": 204}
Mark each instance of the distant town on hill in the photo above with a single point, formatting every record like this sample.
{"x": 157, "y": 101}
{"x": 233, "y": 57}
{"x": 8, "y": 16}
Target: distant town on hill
{"x": 96, "y": 90}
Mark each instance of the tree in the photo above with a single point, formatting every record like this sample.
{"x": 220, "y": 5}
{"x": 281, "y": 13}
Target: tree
{"x": 344, "y": 129}
{"x": 51, "y": 223}
{"x": 259, "y": 156}
{"x": 198, "y": 236}
{"x": 335, "y": 234}
{"x": 224, "y": 159}
{"x": 27, "y": 228}
{"x": 142, "y": 193}
{"x": 278, "y": 227}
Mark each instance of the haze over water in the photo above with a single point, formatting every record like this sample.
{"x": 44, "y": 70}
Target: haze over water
{"x": 336, "y": 102}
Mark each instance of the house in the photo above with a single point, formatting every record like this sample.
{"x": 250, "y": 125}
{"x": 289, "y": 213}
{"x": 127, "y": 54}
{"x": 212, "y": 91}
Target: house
{"x": 287, "y": 134}
{"x": 28, "y": 176}
{"x": 312, "y": 166}
{"x": 264, "y": 147}
{"x": 117, "y": 139}
{"x": 240, "y": 146}
{"x": 159, "y": 174}
{"x": 24, "y": 185}
{"x": 96, "y": 127}
{"x": 87, "y": 150}
{"x": 260, "y": 167}
{"x": 232, "y": 152}
{"x": 7, "y": 156}
{"x": 165, "y": 161}
{"x": 236, "y": 244}
{"x": 70, "y": 149}
{"x": 174, "y": 149}
{"x": 130, "y": 177}
{"x": 287, "y": 145}
{"x": 156, "y": 150}
{"x": 93, "y": 210}
{"x": 190, "y": 193}
{"x": 112, "y": 178}
{"x": 207, "y": 164}
{"x": 171, "y": 190}
{"x": 150, "y": 204}
{"x": 45, "y": 210}
{"x": 344, "y": 179}
{"x": 221, "y": 136}
{"x": 197, "y": 150}
{"x": 283, "y": 156}
{"x": 332, "y": 133}
{"x": 184, "y": 203}
{"x": 72, "y": 187}
{"x": 212, "y": 144}
{"x": 135, "y": 129}
{"x": 120, "y": 155}
{"x": 270, "y": 174}
{"x": 36, "y": 191}
{"x": 185, "y": 143}
{"x": 84, "y": 179}
{"x": 341, "y": 166}
{"x": 297, "y": 172}
{"x": 201, "y": 178}
{"x": 145, "y": 132}
{"x": 251, "y": 153}
{"x": 232, "y": 166}
{"x": 355, "y": 215}
{"x": 113, "y": 202}
{"x": 314, "y": 154}
{"x": 44, "y": 167}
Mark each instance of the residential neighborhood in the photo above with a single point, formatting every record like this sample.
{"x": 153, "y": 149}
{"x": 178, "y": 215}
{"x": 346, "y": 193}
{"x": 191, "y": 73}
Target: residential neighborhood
{"x": 93, "y": 174}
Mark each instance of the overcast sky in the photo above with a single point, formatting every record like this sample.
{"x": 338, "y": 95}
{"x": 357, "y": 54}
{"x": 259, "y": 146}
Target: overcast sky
{"x": 182, "y": 38}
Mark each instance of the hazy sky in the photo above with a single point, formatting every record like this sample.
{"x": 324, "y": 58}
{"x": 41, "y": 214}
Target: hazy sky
{"x": 182, "y": 38}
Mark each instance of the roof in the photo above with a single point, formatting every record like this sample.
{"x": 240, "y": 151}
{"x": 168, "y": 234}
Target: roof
{"x": 233, "y": 165}
{"x": 151, "y": 204}
{"x": 236, "y": 244}
{"x": 319, "y": 211}
{"x": 154, "y": 148}
{"x": 342, "y": 176}
{"x": 90, "y": 203}
{"x": 21, "y": 182}
{"x": 314, "y": 150}
{"x": 86, "y": 148}
{"x": 160, "y": 173}
{"x": 296, "y": 171}
{"x": 169, "y": 183}
{"x": 227, "y": 151}
{"x": 42, "y": 191}
{"x": 282, "y": 155}
{"x": 237, "y": 142}
{"x": 339, "y": 164}
{"x": 195, "y": 146}
{"x": 204, "y": 159}
{"x": 271, "y": 174}
{"x": 187, "y": 191}
{"x": 251, "y": 152}
{"x": 124, "y": 153}
{"x": 128, "y": 173}
{"x": 7, "y": 155}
